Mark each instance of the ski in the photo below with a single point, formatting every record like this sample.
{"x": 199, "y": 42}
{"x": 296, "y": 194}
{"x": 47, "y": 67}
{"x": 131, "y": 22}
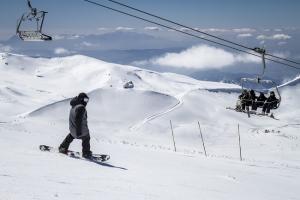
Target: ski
{"x": 251, "y": 112}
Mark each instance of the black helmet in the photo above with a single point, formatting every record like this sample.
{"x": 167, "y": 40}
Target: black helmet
{"x": 83, "y": 98}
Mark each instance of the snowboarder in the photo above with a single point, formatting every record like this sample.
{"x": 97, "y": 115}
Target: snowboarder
{"x": 78, "y": 126}
{"x": 259, "y": 101}
{"x": 270, "y": 103}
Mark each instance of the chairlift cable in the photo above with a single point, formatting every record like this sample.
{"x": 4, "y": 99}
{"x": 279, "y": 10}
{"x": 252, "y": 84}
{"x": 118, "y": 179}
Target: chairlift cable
{"x": 176, "y": 23}
{"x": 186, "y": 33}
{"x": 165, "y": 26}
{"x": 196, "y": 30}
{"x": 291, "y": 61}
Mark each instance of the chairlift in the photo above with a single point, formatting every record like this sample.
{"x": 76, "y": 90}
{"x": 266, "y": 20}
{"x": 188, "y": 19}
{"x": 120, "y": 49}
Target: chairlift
{"x": 259, "y": 84}
{"x": 32, "y": 34}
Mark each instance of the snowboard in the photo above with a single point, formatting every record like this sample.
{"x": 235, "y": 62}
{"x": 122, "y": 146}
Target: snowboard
{"x": 75, "y": 154}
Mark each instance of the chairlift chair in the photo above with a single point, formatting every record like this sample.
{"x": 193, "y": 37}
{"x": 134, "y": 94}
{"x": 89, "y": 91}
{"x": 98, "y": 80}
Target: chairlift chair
{"x": 261, "y": 85}
{"x": 32, "y": 34}
{"x": 258, "y": 84}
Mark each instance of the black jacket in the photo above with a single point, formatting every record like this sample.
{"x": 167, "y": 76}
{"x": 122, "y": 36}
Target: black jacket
{"x": 261, "y": 98}
{"x": 78, "y": 124}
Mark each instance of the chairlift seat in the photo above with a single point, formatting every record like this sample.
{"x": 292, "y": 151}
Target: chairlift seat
{"x": 33, "y": 36}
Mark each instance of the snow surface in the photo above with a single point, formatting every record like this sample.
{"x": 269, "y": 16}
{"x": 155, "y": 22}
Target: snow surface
{"x": 133, "y": 126}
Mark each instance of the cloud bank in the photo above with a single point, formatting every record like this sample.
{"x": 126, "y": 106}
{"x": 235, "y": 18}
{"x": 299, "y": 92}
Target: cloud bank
{"x": 200, "y": 57}
{"x": 61, "y": 51}
{"x": 244, "y": 35}
{"x": 152, "y": 28}
{"x": 274, "y": 37}
{"x": 121, "y": 28}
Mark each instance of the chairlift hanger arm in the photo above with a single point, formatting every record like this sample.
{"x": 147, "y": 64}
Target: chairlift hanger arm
{"x": 29, "y": 4}
{"x": 262, "y": 52}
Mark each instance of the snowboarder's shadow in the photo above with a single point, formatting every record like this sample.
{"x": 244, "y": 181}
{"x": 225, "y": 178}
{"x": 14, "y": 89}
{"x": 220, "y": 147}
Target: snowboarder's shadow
{"x": 101, "y": 163}
{"x": 107, "y": 165}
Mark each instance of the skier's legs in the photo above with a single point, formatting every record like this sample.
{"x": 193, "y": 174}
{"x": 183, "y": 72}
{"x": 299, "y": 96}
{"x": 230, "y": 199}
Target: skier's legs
{"x": 268, "y": 108}
{"x": 243, "y": 105}
{"x": 264, "y": 107}
{"x": 259, "y": 104}
{"x": 254, "y": 106}
{"x": 63, "y": 148}
{"x": 86, "y": 147}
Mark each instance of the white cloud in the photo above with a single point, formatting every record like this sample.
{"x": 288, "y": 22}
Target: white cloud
{"x": 200, "y": 57}
{"x": 281, "y": 43}
{"x": 281, "y": 37}
{"x": 61, "y": 51}
{"x": 247, "y": 58}
{"x": 214, "y": 30}
{"x": 152, "y": 28}
{"x": 274, "y": 37}
{"x": 222, "y": 30}
{"x": 121, "y": 28}
{"x": 184, "y": 29}
{"x": 171, "y": 30}
{"x": 58, "y": 37}
{"x": 73, "y": 37}
{"x": 103, "y": 29}
{"x": 243, "y": 30}
{"x": 87, "y": 44}
{"x": 244, "y": 35}
{"x": 263, "y": 37}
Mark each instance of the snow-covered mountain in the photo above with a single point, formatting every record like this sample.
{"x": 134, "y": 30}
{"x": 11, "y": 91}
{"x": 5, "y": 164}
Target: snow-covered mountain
{"x": 293, "y": 82}
{"x": 139, "y": 48}
{"x": 133, "y": 126}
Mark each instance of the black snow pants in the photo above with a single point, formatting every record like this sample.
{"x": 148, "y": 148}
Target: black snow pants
{"x": 268, "y": 106}
{"x": 86, "y": 148}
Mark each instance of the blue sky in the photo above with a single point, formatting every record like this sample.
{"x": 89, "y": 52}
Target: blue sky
{"x": 77, "y": 16}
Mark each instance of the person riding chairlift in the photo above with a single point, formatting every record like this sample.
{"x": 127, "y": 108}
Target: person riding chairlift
{"x": 270, "y": 103}
{"x": 259, "y": 101}
{"x": 253, "y": 98}
{"x": 245, "y": 99}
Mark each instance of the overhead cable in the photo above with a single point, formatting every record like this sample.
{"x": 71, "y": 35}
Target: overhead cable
{"x": 186, "y": 33}
{"x": 197, "y": 30}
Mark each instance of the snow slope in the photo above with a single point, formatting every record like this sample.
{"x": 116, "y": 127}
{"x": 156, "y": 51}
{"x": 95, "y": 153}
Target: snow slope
{"x": 133, "y": 126}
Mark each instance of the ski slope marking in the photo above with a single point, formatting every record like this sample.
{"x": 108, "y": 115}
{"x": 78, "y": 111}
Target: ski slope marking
{"x": 152, "y": 117}
{"x": 179, "y": 98}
